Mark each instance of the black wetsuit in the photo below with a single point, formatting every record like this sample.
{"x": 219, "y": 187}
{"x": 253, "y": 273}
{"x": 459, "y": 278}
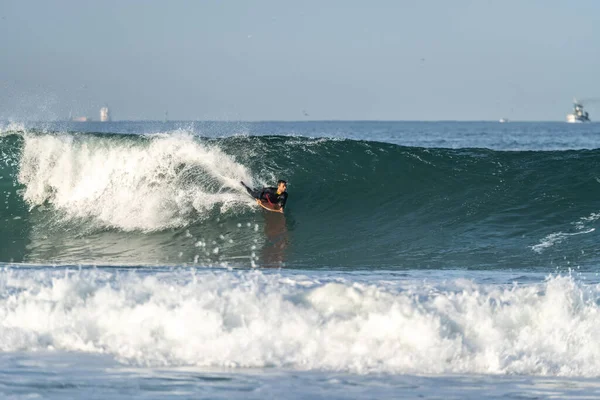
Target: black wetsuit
{"x": 268, "y": 194}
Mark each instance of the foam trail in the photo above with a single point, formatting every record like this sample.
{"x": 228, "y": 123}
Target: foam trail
{"x": 582, "y": 228}
{"x": 251, "y": 319}
{"x": 163, "y": 182}
{"x": 557, "y": 237}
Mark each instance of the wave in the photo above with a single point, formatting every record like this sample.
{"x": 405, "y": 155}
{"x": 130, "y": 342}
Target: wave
{"x": 254, "y": 319}
{"x": 128, "y": 185}
{"x": 175, "y": 197}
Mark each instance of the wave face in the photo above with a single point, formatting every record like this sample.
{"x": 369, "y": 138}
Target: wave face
{"x": 185, "y": 317}
{"x": 175, "y": 198}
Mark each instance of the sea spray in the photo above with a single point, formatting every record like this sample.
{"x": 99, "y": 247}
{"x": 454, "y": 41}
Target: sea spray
{"x": 254, "y": 319}
{"x": 160, "y": 183}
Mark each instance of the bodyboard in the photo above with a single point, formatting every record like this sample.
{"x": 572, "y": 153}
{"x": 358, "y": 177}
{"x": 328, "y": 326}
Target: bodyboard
{"x": 269, "y": 207}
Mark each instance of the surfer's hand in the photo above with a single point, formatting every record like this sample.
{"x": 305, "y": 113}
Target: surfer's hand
{"x": 257, "y": 201}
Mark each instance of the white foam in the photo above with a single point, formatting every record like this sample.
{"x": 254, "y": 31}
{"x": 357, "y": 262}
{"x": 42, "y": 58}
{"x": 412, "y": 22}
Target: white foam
{"x": 555, "y": 238}
{"x": 130, "y": 184}
{"x": 252, "y": 319}
{"x": 581, "y": 227}
{"x": 581, "y": 224}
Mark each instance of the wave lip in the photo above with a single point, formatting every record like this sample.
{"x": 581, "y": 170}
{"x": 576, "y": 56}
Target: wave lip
{"x": 238, "y": 320}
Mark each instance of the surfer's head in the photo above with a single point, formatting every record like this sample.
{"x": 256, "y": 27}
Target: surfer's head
{"x": 281, "y": 186}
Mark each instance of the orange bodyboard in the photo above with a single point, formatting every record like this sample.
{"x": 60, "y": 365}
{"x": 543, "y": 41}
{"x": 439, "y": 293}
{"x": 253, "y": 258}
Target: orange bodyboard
{"x": 268, "y": 206}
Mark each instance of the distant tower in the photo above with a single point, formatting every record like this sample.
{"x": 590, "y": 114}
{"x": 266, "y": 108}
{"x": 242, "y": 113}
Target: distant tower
{"x": 104, "y": 114}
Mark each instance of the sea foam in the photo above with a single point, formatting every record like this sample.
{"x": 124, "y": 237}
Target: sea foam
{"x": 163, "y": 182}
{"x": 254, "y": 319}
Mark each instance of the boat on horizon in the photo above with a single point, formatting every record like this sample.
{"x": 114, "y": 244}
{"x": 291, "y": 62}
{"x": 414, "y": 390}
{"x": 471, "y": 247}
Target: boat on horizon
{"x": 578, "y": 115}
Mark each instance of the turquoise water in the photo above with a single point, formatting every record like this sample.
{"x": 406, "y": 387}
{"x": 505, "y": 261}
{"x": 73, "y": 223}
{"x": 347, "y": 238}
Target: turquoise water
{"x": 426, "y": 259}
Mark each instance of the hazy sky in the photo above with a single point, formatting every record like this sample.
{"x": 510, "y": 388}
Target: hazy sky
{"x": 270, "y": 60}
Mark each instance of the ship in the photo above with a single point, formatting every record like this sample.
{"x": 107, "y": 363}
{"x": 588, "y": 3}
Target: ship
{"x": 78, "y": 118}
{"x": 105, "y": 114}
{"x": 578, "y": 115}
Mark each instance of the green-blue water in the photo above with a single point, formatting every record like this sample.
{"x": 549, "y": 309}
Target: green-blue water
{"x": 414, "y": 258}
{"x": 109, "y": 198}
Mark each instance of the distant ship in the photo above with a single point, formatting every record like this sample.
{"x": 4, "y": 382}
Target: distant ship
{"x": 105, "y": 114}
{"x": 503, "y": 120}
{"x": 578, "y": 114}
{"x": 78, "y": 119}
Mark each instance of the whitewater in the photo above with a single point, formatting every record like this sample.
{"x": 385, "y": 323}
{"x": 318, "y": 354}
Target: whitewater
{"x": 414, "y": 260}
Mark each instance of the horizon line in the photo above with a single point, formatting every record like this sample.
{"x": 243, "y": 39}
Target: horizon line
{"x": 508, "y": 121}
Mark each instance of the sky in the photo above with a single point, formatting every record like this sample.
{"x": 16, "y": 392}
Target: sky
{"x": 279, "y": 59}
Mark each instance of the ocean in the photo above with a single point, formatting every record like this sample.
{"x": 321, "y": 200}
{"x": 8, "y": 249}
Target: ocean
{"x": 430, "y": 260}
